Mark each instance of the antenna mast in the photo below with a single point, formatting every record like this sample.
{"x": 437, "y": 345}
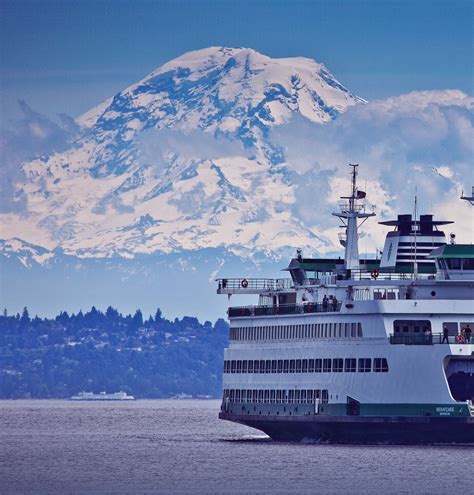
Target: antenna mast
{"x": 349, "y": 215}
{"x": 470, "y": 198}
{"x": 415, "y": 227}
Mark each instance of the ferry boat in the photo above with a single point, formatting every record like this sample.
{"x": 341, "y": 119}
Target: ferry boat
{"x": 103, "y": 396}
{"x": 358, "y": 350}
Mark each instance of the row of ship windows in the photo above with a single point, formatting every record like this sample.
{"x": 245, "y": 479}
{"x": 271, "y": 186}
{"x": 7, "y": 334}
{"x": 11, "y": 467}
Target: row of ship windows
{"x": 336, "y": 365}
{"x": 303, "y": 331}
{"x": 276, "y": 396}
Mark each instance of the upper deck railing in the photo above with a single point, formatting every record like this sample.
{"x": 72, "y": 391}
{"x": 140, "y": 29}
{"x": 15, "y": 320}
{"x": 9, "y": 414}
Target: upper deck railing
{"x": 253, "y": 284}
{"x": 283, "y": 309}
{"x": 373, "y": 275}
{"x": 345, "y": 206}
{"x": 429, "y": 339}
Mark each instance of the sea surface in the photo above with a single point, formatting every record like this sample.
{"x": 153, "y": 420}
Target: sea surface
{"x": 165, "y": 446}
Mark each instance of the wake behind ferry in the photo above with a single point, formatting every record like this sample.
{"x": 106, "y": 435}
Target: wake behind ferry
{"x": 358, "y": 350}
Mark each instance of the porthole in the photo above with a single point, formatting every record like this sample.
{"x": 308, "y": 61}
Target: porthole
{"x": 433, "y": 293}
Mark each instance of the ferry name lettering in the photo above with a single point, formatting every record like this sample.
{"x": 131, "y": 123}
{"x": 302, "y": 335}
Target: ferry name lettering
{"x": 444, "y": 409}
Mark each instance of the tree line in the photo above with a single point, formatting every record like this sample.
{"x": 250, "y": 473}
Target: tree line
{"x": 108, "y": 351}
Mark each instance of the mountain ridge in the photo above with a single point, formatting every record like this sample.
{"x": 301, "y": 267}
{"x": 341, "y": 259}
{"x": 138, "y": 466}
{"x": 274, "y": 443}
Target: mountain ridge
{"x": 188, "y": 149}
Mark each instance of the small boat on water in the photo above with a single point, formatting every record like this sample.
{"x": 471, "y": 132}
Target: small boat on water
{"x": 102, "y": 396}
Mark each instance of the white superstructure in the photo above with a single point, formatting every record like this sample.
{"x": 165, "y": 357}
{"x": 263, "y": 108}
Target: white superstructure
{"x": 356, "y": 350}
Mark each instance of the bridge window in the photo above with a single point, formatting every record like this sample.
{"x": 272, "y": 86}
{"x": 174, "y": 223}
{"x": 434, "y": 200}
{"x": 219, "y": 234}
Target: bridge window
{"x": 286, "y": 366}
{"x": 239, "y": 367}
{"x": 411, "y": 326}
{"x": 244, "y": 366}
{"x": 453, "y": 263}
{"x": 250, "y": 366}
{"x": 298, "y": 366}
{"x": 268, "y": 366}
{"x": 292, "y": 366}
{"x": 468, "y": 264}
{"x": 318, "y": 365}
{"x": 280, "y": 366}
{"x": 310, "y": 365}
{"x": 304, "y": 366}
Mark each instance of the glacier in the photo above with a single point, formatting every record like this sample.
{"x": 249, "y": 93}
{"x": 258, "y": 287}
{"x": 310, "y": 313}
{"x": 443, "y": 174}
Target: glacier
{"x": 188, "y": 146}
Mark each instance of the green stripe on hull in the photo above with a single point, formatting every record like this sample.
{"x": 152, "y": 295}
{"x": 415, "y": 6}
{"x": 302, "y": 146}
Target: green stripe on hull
{"x": 458, "y": 409}
{"x": 442, "y": 410}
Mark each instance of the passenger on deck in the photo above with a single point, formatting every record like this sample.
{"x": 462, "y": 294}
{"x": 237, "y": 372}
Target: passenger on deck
{"x": 467, "y": 333}
{"x": 445, "y": 335}
{"x": 334, "y": 303}
{"x": 325, "y": 303}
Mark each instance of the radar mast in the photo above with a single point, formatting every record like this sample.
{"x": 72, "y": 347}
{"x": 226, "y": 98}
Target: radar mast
{"x": 350, "y": 214}
{"x": 470, "y": 198}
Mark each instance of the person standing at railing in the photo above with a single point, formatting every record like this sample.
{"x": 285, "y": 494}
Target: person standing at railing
{"x": 467, "y": 333}
{"x": 461, "y": 338}
{"x": 445, "y": 335}
{"x": 325, "y": 303}
{"x": 334, "y": 303}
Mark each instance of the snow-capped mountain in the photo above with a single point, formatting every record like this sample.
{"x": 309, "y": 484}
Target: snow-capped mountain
{"x": 182, "y": 160}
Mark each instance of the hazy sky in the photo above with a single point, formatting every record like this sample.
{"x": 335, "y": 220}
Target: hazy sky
{"x": 67, "y": 56}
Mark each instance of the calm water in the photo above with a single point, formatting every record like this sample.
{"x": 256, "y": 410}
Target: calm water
{"x": 181, "y": 447}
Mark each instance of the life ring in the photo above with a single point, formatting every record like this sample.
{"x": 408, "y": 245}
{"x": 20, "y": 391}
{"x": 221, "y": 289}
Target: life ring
{"x": 374, "y": 274}
{"x": 244, "y": 283}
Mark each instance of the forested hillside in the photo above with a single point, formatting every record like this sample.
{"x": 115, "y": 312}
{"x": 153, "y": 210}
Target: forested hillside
{"x": 96, "y": 351}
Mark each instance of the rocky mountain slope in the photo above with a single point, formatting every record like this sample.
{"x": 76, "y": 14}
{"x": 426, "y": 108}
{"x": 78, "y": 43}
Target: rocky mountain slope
{"x": 182, "y": 160}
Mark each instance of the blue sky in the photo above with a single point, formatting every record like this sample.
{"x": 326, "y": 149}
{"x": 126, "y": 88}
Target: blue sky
{"x": 67, "y": 56}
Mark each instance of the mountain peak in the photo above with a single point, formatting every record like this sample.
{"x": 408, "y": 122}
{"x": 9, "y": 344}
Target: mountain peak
{"x": 210, "y": 79}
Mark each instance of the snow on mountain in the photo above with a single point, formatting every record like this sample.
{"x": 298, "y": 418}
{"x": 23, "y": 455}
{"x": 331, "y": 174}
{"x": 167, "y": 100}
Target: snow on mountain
{"x": 26, "y": 253}
{"x": 182, "y": 160}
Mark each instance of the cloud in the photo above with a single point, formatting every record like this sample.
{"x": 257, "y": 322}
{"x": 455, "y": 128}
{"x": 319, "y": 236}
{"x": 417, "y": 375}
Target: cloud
{"x": 421, "y": 141}
{"x": 25, "y": 139}
{"x": 159, "y": 146}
